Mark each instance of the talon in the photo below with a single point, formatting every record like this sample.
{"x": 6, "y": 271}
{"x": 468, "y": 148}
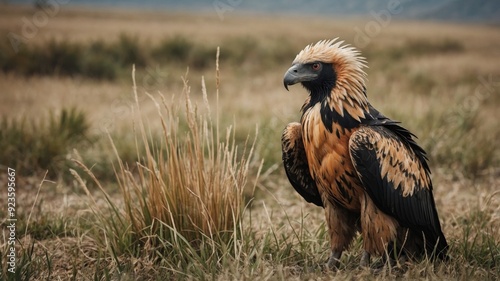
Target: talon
{"x": 403, "y": 259}
{"x": 365, "y": 259}
{"x": 389, "y": 261}
{"x": 334, "y": 260}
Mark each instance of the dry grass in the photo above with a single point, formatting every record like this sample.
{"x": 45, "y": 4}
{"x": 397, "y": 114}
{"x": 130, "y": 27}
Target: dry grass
{"x": 437, "y": 93}
{"x": 184, "y": 203}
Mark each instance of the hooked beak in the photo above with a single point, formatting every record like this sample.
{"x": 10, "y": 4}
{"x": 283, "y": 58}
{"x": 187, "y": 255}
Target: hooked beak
{"x": 298, "y": 73}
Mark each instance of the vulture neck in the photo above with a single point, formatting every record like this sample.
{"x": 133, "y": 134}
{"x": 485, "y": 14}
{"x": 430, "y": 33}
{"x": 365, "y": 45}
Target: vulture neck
{"x": 344, "y": 104}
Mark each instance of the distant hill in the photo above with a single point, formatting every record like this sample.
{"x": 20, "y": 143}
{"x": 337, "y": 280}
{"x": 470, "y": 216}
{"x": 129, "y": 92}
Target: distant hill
{"x": 467, "y": 10}
{"x": 480, "y": 11}
{"x": 485, "y": 11}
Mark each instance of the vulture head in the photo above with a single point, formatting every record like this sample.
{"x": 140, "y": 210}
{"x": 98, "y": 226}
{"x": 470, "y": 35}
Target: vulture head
{"x": 328, "y": 67}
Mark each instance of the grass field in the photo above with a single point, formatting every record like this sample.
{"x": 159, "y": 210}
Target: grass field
{"x": 175, "y": 172}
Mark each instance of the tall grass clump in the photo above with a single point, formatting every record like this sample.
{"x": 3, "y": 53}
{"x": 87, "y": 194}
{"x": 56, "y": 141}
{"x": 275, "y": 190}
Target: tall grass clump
{"x": 175, "y": 49}
{"x": 457, "y": 141}
{"x": 182, "y": 206}
{"x": 97, "y": 60}
{"x": 181, "y": 50}
{"x": 33, "y": 146}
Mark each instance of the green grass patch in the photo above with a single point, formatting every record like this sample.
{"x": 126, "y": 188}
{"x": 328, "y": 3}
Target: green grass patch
{"x": 32, "y": 146}
{"x": 29, "y": 264}
{"x": 414, "y": 48}
{"x": 110, "y": 60}
{"x": 457, "y": 141}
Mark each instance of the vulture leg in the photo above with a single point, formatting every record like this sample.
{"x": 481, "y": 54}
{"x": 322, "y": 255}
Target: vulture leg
{"x": 342, "y": 226}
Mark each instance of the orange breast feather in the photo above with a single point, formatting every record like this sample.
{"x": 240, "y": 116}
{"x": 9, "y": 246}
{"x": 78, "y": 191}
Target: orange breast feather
{"x": 329, "y": 161}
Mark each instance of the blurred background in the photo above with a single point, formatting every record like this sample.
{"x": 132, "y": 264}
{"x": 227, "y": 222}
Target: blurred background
{"x": 432, "y": 65}
{"x": 66, "y": 83}
{"x": 482, "y": 11}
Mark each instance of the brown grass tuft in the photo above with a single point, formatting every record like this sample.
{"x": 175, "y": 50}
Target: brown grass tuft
{"x": 185, "y": 196}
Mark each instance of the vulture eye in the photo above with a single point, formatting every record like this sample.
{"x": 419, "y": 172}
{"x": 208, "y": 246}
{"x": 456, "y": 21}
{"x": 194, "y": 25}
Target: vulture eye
{"x": 316, "y": 66}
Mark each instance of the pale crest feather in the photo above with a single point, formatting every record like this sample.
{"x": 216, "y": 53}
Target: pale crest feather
{"x": 348, "y": 65}
{"x": 330, "y": 51}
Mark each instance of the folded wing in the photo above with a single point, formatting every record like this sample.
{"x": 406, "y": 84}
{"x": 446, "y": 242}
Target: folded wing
{"x": 395, "y": 176}
{"x": 295, "y": 163}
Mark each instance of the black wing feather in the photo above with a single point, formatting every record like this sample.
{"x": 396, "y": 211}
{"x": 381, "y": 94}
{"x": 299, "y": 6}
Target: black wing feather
{"x": 296, "y": 166}
{"x": 414, "y": 209}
